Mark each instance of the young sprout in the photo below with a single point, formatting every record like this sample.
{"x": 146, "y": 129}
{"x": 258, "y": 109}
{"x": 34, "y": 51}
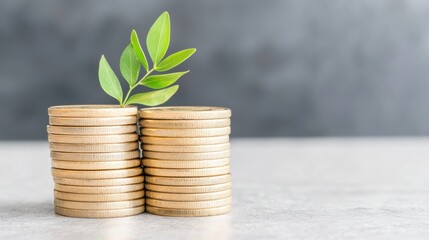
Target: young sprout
{"x": 133, "y": 57}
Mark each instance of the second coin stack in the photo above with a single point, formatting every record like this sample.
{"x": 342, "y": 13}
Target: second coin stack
{"x": 186, "y": 156}
{"x": 96, "y": 161}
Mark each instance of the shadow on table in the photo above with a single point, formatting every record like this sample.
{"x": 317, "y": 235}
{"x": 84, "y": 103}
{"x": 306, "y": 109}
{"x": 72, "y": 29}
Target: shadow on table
{"x": 39, "y": 221}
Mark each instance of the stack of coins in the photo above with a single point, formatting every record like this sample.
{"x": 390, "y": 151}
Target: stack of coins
{"x": 96, "y": 161}
{"x": 186, "y": 154}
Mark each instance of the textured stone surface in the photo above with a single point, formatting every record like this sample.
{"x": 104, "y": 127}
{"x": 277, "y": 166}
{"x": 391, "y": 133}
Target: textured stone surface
{"x": 283, "y": 189}
{"x": 285, "y": 67}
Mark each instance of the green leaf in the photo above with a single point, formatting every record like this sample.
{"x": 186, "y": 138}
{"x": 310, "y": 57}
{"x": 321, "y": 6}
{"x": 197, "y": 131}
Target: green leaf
{"x": 138, "y": 50}
{"x": 129, "y": 65}
{"x": 108, "y": 80}
{"x": 153, "y": 98}
{"x": 162, "y": 81}
{"x": 175, "y": 59}
{"x": 158, "y": 38}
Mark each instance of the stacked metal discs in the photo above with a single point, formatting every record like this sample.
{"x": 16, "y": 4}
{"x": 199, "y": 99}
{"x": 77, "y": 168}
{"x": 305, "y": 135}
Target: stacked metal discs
{"x": 186, "y": 154}
{"x": 96, "y": 161}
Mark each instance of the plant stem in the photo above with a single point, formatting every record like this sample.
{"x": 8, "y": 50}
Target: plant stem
{"x": 124, "y": 102}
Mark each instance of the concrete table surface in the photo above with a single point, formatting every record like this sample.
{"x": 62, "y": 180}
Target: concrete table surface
{"x": 282, "y": 189}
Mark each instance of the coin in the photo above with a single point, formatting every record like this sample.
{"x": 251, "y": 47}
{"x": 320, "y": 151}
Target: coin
{"x": 184, "y": 141}
{"x": 99, "y": 197}
{"x": 209, "y": 123}
{"x": 99, "y": 121}
{"x": 94, "y": 148}
{"x": 99, "y": 182}
{"x": 92, "y": 157}
{"x": 73, "y": 165}
{"x": 188, "y": 181}
{"x": 102, "y": 174}
{"x": 188, "y": 212}
{"x": 187, "y": 172}
{"x": 197, "y": 132}
{"x": 188, "y": 196}
{"x": 185, "y": 112}
{"x": 99, "y": 205}
{"x": 156, "y": 163}
{"x": 99, "y": 213}
{"x": 188, "y": 149}
{"x": 99, "y": 189}
{"x": 117, "y": 138}
{"x": 92, "y": 130}
{"x": 189, "y": 205}
{"x": 92, "y": 111}
{"x": 186, "y": 156}
{"x": 189, "y": 189}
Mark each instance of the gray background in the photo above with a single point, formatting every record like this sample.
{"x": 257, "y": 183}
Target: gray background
{"x": 286, "y": 68}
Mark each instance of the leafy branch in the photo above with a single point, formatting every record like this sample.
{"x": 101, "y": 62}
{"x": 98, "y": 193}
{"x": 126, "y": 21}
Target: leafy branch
{"x": 133, "y": 58}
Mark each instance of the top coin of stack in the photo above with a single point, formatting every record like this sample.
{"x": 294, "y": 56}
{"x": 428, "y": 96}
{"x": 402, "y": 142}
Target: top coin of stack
{"x": 186, "y": 158}
{"x": 95, "y": 160}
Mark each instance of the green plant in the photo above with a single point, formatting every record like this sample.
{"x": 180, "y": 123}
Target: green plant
{"x": 133, "y": 57}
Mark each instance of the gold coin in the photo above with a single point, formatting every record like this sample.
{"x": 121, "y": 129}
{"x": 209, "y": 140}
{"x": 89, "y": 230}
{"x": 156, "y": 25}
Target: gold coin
{"x": 99, "y": 189}
{"x": 209, "y": 123}
{"x": 156, "y": 163}
{"x": 196, "y": 132}
{"x": 184, "y": 141}
{"x": 92, "y": 130}
{"x": 73, "y": 165}
{"x": 189, "y": 205}
{"x": 102, "y": 174}
{"x": 187, "y": 149}
{"x": 185, "y": 112}
{"x": 99, "y": 205}
{"x": 99, "y": 213}
{"x": 99, "y": 182}
{"x": 92, "y": 139}
{"x": 188, "y": 189}
{"x": 95, "y": 121}
{"x": 188, "y": 181}
{"x": 187, "y": 172}
{"x": 92, "y": 111}
{"x": 94, "y": 148}
{"x": 186, "y": 156}
{"x": 188, "y": 196}
{"x": 93, "y": 157}
{"x": 188, "y": 212}
{"x": 112, "y": 197}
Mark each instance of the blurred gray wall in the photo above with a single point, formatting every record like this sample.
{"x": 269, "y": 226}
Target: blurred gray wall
{"x": 286, "y": 68}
